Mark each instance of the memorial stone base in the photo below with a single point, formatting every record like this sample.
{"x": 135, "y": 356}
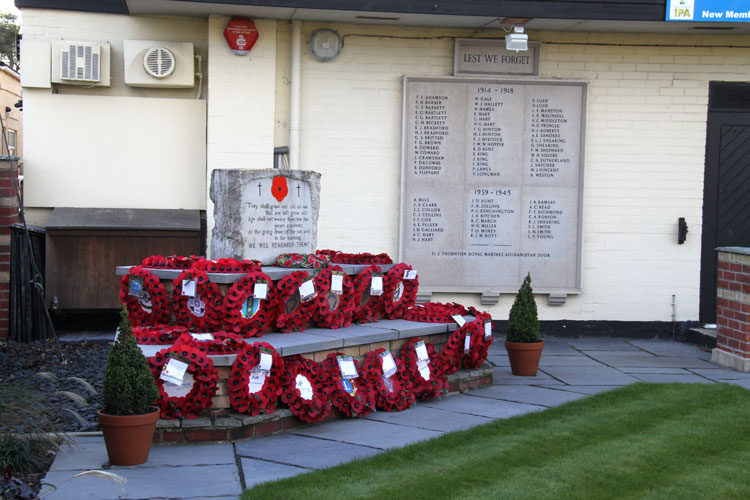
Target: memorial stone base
{"x": 733, "y": 309}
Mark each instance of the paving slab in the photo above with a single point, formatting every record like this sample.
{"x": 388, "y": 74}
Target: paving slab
{"x": 357, "y": 334}
{"x": 601, "y": 344}
{"x": 301, "y": 342}
{"x": 553, "y": 347}
{"x": 590, "y": 375}
{"x": 93, "y": 455}
{"x": 595, "y": 353}
{"x": 301, "y": 451}
{"x": 498, "y": 359}
{"x": 653, "y": 362}
{"x": 408, "y": 329}
{"x": 584, "y": 389}
{"x": 423, "y": 417}
{"x": 720, "y": 374}
{"x": 483, "y": 407}
{"x": 528, "y": 394}
{"x": 669, "y": 348}
{"x": 664, "y": 378}
{"x": 261, "y": 471}
{"x": 651, "y": 369}
{"x": 503, "y": 376}
{"x": 148, "y": 482}
{"x": 369, "y": 433}
{"x": 567, "y": 361}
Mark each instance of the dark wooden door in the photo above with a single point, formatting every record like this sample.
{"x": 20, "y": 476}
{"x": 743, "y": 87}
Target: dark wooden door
{"x": 726, "y": 196}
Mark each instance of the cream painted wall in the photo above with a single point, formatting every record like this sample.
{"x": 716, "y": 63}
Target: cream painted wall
{"x": 115, "y": 152}
{"x": 644, "y": 166}
{"x": 118, "y": 146}
{"x": 241, "y": 99}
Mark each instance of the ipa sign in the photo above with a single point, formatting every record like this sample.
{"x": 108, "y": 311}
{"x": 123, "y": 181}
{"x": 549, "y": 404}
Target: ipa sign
{"x": 492, "y": 173}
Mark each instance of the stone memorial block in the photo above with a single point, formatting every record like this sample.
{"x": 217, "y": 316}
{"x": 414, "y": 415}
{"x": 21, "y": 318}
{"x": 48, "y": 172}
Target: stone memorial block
{"x": 493, "y": 173}
{"x": 259, "y": 214}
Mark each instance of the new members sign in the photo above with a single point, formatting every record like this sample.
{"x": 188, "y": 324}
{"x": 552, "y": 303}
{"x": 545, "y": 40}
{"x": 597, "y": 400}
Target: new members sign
{"x": 728, "y": 11}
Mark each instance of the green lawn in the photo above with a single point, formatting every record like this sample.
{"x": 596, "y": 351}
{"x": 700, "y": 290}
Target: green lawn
{"x": 669, "y": 441}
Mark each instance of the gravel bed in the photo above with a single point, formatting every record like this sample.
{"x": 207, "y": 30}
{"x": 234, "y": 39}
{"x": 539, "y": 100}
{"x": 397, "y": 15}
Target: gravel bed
{"x": 20, "y": 365}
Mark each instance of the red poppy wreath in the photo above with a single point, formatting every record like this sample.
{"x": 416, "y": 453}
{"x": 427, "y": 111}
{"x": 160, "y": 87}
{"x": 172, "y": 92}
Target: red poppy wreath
{"x": 158, "y": 334}
{"x": 196, "y": 301}
{"x": 367, "y": 307}
{"x": 144, "y": 297}
{"x": 333, "y": 310}
{"x": 453, "y": 350}
{"x": 304, "y": 389}
{"x": 198, "y": 384}
{"x": 425, "y": 368}
{"x": 244, "y": 314}
{"x": 479, "y": 342}
{"x": 213, "y": 343}
{"x": 434, "y": 312}
{"x": 352, "y": 396}
{"x": 255, "y": 379}
{"x": 399, "y": 290}
{"x": 170, "y": 262}
{"x": 292, "y": 312}
{"x": 227, "y": 265}
{"x": 392, "y": 393}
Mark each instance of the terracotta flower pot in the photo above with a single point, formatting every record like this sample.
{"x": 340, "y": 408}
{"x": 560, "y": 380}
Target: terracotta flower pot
{"x": 524, "y": 358}
{"x": 128, "y": 437}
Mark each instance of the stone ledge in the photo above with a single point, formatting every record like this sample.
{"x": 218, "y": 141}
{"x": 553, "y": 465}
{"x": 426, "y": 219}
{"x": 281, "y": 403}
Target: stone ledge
{"x": 730, "y": 360}
{"x": 227, "y": 425}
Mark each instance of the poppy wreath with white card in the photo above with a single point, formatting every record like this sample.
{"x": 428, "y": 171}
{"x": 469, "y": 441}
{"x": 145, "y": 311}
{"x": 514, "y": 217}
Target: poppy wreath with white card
{"x": 352, "y": 396}
{"x": 253, "y": 388}
{"x": 197, "y": 302}
{"x": 427, "y": 378}
{"x": 144, "y": 297}
{"x": 399, "y": 293}
{"x": 367, "y": 307}
{"x": 434, "y": 312}
{"x": 452, "y": 353}
{"x": 213, "y": 343}
{"x": 333, "y": 310}
{"x": 304, "y": 389}
{"x": 293, "y": 313}
{"x": 158, "y": 334}
{"x": 480, "y": 341}
{"x": 198, "y": 386}
{"x": 393, "y": 393}
{"x": 243, "y": 313}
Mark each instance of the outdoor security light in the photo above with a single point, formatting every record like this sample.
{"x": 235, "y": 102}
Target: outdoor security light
{"x": 518, "y": 40}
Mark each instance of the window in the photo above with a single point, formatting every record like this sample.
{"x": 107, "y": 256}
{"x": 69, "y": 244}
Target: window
{"x": 11, "y": 142}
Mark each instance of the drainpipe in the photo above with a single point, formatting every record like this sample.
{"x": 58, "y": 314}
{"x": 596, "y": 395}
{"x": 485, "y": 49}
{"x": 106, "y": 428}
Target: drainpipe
{"x": 295, "y": 56}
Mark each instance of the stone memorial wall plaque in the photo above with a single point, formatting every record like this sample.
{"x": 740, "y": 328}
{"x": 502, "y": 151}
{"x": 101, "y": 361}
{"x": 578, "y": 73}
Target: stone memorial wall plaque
{"x": 492, "y": 178}
{"x": 260, "y": 214}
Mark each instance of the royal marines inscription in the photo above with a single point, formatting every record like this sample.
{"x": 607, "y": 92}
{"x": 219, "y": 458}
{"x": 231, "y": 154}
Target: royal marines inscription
{"x": 492, "y": 183}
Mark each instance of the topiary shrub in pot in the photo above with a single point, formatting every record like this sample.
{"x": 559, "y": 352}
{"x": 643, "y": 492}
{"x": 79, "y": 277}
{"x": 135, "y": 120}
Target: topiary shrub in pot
{"x": 128, "y": 418}
{"x": 522, "y": 340}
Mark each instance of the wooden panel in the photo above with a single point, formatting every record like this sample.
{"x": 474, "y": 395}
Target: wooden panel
{"x": 81, "y": 266}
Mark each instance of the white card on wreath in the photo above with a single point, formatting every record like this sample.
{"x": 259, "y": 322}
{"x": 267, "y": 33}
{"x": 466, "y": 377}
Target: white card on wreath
{"x": 347, "y": 367}
{"x": 260, "y": 291}
{"x": 266, "y": 362}
{"x": 188, "y": 288}
{"x": 174, "y": 372}
{"x": 421, "y": 350}
{"x": 410, "y": 274}
{"x": 304, "y": 387}
{"x": 257, "y": 379}
{"x": 389, "y": 364}
{"x": 307, "y": 290}
{"x": 487, "y": 330}
{"x": 337, "y": 283}
{"x": 376, "y": 285}
{"x": 467, "y": 344}
{"x": 459, "y": 319}
{"x": 202, "y": 337}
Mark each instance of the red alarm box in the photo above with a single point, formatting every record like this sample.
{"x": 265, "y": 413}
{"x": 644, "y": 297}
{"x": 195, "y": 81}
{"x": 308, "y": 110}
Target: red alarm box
{"x": 241, "y": 34}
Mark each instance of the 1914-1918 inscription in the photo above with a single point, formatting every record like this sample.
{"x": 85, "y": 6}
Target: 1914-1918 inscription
{"x": 492, "y": 183}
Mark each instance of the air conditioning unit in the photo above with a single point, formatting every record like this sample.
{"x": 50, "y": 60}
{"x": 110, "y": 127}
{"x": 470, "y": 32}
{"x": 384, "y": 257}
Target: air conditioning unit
{"x": 80, "y": 63}
{"x": 150, "y": 63}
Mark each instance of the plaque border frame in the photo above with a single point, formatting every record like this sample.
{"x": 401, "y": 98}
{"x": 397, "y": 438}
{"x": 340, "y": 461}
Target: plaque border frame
{"x": 584, "y": 84}
{"x": 536, "y": 46}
